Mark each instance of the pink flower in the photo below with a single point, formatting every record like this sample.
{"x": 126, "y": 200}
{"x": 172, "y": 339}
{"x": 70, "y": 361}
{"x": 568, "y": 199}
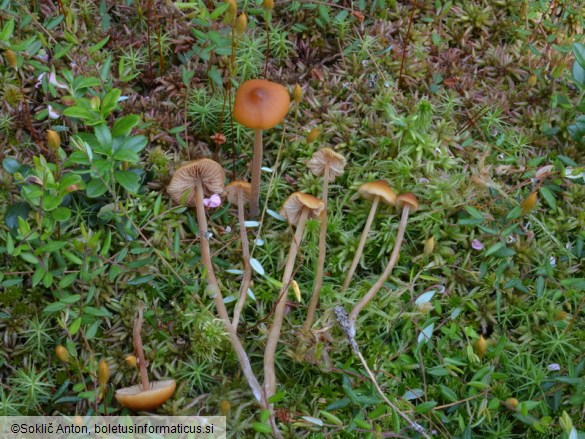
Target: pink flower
{"x": 476, "y": 245}
{"x": 212, "y": 202}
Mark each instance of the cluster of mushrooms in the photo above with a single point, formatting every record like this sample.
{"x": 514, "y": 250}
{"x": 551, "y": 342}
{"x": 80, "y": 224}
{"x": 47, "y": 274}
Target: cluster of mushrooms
{"x": 260, "y": 105}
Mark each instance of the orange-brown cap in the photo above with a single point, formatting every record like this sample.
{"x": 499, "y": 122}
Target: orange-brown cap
{"x": 295, "y": 203}
{"x": 136, "y": 399}
{"x": 260, "y": 104}
{"x": 407, "y": 198}
{"x": 210, "y": 173}
{"x": 326, "y": 156}
{"x": 232, "y": 189}
{"x": 378, "y": 188}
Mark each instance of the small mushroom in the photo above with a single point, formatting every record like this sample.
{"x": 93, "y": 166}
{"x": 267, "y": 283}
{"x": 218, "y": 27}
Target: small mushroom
{"x": 148, "y": 395}
{"x": 238, "y": 193}
{"x": 259, "y": 105}
{"x": 297, "y": 209}
{"x": 190, "y": 183}
{"x": 408, "y": 202}
{"x": 328, "y": 164}
{"x": 376, "y": 191}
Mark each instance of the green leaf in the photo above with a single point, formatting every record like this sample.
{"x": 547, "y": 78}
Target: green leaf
{"x": 134, "y": 143}
{"x": 61, "y": 214}
{"x": 29, "y": 257}
{"x": 125, "y": 155}
{"x": 579, "y": 51}
{"x": 99, "y": 45}
{"x": 128, "y": 180}
{"x": 494, "y": 248}
{"x": 50, "y": 247}
{"x": 103, "y": 135}
{"x": 331, "y": 418}
{"x": 79, "y": 113}
{"x": 578, "y": 72}
{"x": 7, "y": 30}
{"x": 261, "y": 428}
{"x": 447, "y": 393}
{"x": 425, "y": 407}
{"x": 14, "y": 212}
{"x": 549, "y": 197}
{"x": 110, "y": 101}
{"x": 55, "y": 307}
{"x": 75, "y": 325}
{"x": 124, "y": 125}
{"x": 95, "y": 188}
{"x": 11, "y": 165}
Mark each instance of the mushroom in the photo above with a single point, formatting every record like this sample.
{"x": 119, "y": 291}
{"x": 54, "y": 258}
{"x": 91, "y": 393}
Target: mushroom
{"x": 260, "y": 105}
{"x": 328, "y": 164}
{"x": 375, "y": 191}
{"x": 297, "y": 208}
{"x": 408, "y": 202}
{"x": 189, "y": 184}
{"x": 148, "y": 395}
{"x": 238, "y": 193}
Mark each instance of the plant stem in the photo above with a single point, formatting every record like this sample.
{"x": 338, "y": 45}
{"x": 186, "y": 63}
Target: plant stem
{"x": 362, "y": 243}
{"x": 274, "y": 334}
{"x": 246, "y": 258}
{"x": 256, "y": 165}
{"x": 321, "y": 259}
{"x": 218, "y": 299}
{"x": 140, "y": 350}
{"x": 391, "y": 263}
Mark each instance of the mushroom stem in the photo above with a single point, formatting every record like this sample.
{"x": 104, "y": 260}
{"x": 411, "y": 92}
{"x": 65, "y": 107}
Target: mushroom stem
{"x": 388, "y": 270}
{"x": 321, "y": 259}
{"x": 246, "y": 257}
{"x": 274, "y": 334}
{"x": 218, "y": 299}
{"x": 362, "y": 243}
{"x": 140, "y": 350}
{"x": 256, "y": 165}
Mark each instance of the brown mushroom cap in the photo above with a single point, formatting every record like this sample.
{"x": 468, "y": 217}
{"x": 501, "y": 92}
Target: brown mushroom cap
{"x": 183, "y": 182}
{"x": 232, "y": 189}
{"x": 298, "y": 201}
{"x": 407, "y": 198}
{"x": 323, "y": 157}
{"x": 378, "y": 188}
{"x": 260, "y": 104}
{"x": 136, "y": 399}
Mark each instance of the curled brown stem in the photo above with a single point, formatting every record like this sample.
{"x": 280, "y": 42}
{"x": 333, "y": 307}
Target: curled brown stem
{"x": 321, "y": 259}
{"x": 246, "y": 257}
{"x": 362, "y": 243}
{"x": 256, "y": 165}
{"x": 139, "y": 349}
{"x": 274, "y": 334}
{"x": 387, "y": 272}
{"x": 218, "y": 299}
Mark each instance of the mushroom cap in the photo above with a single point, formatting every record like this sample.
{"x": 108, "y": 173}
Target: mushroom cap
{"x": 260, "y": 104}
{"x": 183, "y": 182}
{"x": 326, "y": 156}
{"x": 296, "y": 202}
{"x": 378, "y": 188}
{"x": 232, "y": 189}
{"x": 136, "y": 399}
{"x": 407, "y": 198}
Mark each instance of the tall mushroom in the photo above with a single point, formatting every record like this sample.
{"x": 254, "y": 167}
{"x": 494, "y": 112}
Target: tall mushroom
{"x": 376, "y": 191}
{"x": 260, "y": 105}
{"x": 238, "y": 193}
{"x": 328, "y": 164}
{"x": 408, "y": 202}
{"x": 148, "y": 395}
{"x": 297, "y": 208}
{"x": 190, "y": 183}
